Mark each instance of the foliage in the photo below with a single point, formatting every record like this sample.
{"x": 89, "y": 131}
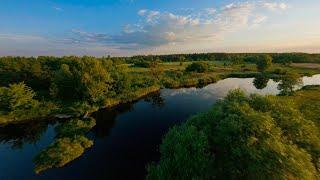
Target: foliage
{"x": 289, "y": 83}
{"x": 179, "y": 162}
{"x": 252, "y": 137}
{"x": 61, "y": 152}
{"x": 18, "y": 100}
{"x": 264, "y": 62}
{"x": 199, "y": 67}
{"x": 17, "y": 96}
{"x": 70, "y": 143}
{"x": 82, "y": 79}
{"x": 74, "y": 126}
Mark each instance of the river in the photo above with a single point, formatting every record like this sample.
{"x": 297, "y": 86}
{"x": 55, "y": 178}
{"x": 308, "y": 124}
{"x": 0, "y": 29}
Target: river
{"x": 126, "y": 138}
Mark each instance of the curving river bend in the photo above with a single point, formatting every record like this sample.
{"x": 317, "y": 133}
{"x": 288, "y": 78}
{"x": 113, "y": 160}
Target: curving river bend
{"x": 126, "y": 138}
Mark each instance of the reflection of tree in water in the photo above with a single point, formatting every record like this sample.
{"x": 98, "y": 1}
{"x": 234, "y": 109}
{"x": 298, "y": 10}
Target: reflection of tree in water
{"x": 106, "y": 119}
{"x": 289, "y": 83}
{"x": 261, "y": 82}
{"x": 19, "y": 134}
{"x": 155, "y": 99}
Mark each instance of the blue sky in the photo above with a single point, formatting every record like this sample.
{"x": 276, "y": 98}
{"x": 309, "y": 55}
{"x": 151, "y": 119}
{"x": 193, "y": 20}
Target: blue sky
{"x": 130, "y": 27}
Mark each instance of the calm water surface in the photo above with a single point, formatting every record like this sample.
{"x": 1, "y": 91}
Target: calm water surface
{"x": 126, "y": 138}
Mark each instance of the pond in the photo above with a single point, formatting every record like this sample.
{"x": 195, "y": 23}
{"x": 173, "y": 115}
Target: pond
{"x": 126, "y": 138}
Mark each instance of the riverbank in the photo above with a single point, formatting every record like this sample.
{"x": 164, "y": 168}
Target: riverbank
{"x": 171, "y": 79}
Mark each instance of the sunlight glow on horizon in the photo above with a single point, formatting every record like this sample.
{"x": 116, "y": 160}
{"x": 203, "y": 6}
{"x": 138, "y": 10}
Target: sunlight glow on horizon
{"x": 124, "y": 27}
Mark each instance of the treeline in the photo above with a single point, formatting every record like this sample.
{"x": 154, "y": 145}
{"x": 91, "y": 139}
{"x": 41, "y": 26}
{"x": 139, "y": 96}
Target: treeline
{"x": 246, "y": 57}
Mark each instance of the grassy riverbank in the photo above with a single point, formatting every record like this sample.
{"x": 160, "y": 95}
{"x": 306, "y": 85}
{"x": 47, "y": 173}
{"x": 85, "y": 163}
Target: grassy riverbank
{"x": 75, "y": 87}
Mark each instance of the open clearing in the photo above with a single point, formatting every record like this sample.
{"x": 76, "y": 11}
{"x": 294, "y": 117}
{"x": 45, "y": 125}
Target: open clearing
{"x": 306, "y": 65}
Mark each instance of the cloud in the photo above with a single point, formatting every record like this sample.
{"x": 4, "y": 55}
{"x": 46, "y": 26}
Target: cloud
{"x": 20, "y": 38}
{"x": 275, "y": 6}
{"x": 149, "y": 15}
{"x": 166, "y": 28}
{"x": 211, "y": 11}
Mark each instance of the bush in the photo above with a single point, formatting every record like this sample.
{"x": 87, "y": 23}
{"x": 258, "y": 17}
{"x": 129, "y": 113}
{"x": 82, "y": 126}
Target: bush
{"x": 179, "y": 162}
{"x": 199, "y": 67}
{"x": 142, "y": 64}
{"x": 264, "y": 62}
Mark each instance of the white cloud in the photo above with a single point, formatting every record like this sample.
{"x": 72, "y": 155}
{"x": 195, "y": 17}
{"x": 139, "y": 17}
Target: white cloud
{"x": 150, "y": 16}
{"x": 211, "y": 11}
{"x": 165, "y": 28}
{"x": 258, "y": 19}
{"x": 142, "y": 12}
{"x": 283, "y": 6}
{"x": 275, "y": 6}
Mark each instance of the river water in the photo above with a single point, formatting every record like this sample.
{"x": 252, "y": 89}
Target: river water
{"x": 126, "y": 138}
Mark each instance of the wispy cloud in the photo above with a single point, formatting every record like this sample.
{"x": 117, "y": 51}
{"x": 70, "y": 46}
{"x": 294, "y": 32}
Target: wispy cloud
{"x": 21, "y": 38}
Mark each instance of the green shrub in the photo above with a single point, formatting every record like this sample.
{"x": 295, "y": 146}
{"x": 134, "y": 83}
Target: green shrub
{"x": 185, "y": 154}
{"x": 61, "y": 152}
{"x": 199, "y": 67}
{"x": 263, "y": 62}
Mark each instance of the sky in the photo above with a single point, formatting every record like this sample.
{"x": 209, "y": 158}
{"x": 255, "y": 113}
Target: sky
{"x": 141, "y": 27}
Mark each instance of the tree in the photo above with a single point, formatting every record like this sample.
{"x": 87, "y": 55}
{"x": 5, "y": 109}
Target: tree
{"x": 288, "y": 83}
{"x": 17, "y": 97}
{"x": 264, "y": 62}
{"x": 185, "y": 154}
{"x": 199, "y": 67}
{"x": 82, "y": 79}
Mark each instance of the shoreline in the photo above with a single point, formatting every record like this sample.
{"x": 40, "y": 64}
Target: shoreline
{"x": 198, "y": 82}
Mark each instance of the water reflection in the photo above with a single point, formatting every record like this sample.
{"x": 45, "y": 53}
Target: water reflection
{"x": 106, "y": 119}
{"x": 17, "y": 135}
{"x": 260, "y": 85}
{"x": 155, "y": 99}
{"x": 261, "y": 82}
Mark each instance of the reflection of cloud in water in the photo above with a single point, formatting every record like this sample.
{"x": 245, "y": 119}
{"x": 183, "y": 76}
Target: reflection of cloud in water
{"x": 221, "y": 88}
{"x": 314, "y": 80}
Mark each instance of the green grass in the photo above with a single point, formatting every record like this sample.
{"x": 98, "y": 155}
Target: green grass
{"x": 308, "y": 100}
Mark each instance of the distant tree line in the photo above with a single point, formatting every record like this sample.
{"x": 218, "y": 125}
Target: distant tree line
{"x": 246, "y": 57}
